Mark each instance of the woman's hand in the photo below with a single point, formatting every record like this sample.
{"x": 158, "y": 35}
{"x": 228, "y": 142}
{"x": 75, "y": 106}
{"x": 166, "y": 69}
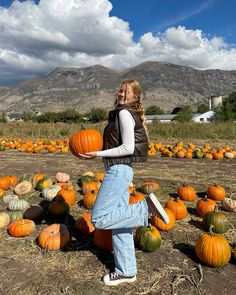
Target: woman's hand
{"x": 89, "y": 155}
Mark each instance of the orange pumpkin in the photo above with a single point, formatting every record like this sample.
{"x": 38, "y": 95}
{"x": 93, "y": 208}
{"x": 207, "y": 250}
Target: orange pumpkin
{"x": 148, "y": 187}
{"x": 186, "y": 193}
{"x": 58, "y": 209}
{"x": 13, "y": 180}
{"x": 103, "y": 239}
{"x": 177, "y": 207}
{"x": 204, "y": 206}
{"x": 135, "y": 197}
{"x": 54, "y": 237}
{"x": 99, "y": 176}
{"x": 37, "y": 177}
{"x": 68, "y": 195}
{"x": 160, "y": 224}
{"x": 84, "y": 224}
{"x": 216, "y": 192}
{"x": 89, "y": 199}
{"x": 2, "y": 192}
{"x": 213, "y": 250}
{"x": 89, "y": 186}
{"x": 5, "y": 183}
{"x": 87, "y": 140}
{"x": 21, "y": 228}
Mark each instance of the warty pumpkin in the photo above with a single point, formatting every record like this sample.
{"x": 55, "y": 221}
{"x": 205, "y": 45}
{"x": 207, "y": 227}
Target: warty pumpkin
{"x": 23, "y": 188}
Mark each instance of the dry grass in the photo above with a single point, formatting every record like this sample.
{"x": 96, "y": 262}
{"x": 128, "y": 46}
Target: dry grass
{"x": 77, "y": 269}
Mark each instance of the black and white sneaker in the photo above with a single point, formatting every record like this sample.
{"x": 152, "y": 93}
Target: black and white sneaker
{"x": 114, "y": 279}
{"x": 155, "y": 208}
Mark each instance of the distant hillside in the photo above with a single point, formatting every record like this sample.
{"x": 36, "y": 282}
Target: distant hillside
{"x": 163, "y": 84}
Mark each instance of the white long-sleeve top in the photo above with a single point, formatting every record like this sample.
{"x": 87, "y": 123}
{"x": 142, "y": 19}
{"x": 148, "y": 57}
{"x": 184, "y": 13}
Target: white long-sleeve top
{"x": 127, "y": 124}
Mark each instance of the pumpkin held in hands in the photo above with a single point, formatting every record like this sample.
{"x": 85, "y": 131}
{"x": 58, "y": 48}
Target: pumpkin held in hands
{"x": 87, "y": 140}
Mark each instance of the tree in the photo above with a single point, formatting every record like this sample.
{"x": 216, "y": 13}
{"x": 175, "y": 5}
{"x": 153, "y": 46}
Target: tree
{"x": 3, "y": 117}
{"x": 97, "y": 115}
{"x": 226, "y": 112}
{"x": 154, "y": 110}
{"x": 28, "y": 116}
{"x": 203, "y": 108}
{"x": 185, "y": 115}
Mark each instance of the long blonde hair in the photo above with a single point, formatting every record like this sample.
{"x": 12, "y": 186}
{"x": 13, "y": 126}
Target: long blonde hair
{"x": 138, "y": 105}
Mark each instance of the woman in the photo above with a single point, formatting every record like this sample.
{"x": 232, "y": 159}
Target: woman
{"x": 125, "y": 142}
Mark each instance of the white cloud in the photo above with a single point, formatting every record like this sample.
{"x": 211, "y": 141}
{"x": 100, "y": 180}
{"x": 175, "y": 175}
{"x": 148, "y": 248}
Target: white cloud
{"x": 34, "y": 39}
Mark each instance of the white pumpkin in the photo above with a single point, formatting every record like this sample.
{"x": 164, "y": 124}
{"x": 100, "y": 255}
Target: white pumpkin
{"x": 50, "y": 192}
{"x": 7, "y": 198}
{"x": 4, "y": 219}
{"x": 229, "y": 204}
{"x": 16, "y": 205}
{"x": 23, "y": 188}
{"x": 229, "y": 155}
{"x": 62, "y": 177}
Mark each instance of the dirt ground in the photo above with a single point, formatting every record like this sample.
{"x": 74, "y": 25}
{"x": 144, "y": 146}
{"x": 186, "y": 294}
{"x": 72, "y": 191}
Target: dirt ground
{"x": 172, "y": 269}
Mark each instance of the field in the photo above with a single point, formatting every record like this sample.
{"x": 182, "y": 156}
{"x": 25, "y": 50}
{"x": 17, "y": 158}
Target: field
{"x": 172, "y": 269}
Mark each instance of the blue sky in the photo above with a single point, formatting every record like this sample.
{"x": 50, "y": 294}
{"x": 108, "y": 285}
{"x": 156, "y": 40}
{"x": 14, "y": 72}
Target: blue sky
{"x": 37, "y": 36}
{"x": 214, "y": 17}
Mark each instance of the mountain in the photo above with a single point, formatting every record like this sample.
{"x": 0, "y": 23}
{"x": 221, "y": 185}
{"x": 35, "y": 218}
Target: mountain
{"x": 163, "y": 84}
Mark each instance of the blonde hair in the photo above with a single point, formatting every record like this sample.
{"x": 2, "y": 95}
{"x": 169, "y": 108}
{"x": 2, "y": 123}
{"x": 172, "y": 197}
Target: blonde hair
{"x": 138, "y": 105}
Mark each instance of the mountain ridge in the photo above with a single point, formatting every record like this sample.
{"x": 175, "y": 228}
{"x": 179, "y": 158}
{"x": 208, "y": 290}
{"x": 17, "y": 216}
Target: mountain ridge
{"x": 163, "y": 84}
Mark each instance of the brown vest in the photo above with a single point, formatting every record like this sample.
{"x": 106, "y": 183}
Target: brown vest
{"x": 112, "y": 138}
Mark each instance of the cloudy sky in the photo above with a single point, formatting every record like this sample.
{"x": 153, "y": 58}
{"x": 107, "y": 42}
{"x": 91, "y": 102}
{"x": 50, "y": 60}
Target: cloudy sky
{"x": 38, "y": 36}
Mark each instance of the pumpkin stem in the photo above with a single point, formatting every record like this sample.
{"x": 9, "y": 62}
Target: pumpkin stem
{"x": 82, "y": 126}
{"x": 211, "y": 230}
{"x": 205, "y": 198}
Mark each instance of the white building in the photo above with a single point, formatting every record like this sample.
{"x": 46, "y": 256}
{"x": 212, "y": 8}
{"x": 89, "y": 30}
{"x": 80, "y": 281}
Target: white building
{"x": 203, "y": 118}
{"x": 160, "y": 118}
{"x": 199, "y": 118}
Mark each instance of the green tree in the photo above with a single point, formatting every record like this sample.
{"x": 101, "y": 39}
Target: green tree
{"x": 185, "y": 115}
{"x": 154, "y": 110}
{"x": 28, "y": 116}
{"x": 226, "y": 112}
{"x": 70, "y": 116}
{"x": 203, "y": 108}
{"x": 97, "y": 115}
{"x": 3, "y": 117}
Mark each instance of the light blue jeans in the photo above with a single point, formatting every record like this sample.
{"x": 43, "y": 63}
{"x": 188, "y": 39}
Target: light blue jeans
{"x": 112, "y": 211}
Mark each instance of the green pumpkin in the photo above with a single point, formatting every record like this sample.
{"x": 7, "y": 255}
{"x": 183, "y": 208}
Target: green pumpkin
{"x": 148, "y": 238}
{"x": 2, "y": 148}
{"x": 218, "y": 220}
{"x": 50, "y": 192}
{"x": 16, "y": 215}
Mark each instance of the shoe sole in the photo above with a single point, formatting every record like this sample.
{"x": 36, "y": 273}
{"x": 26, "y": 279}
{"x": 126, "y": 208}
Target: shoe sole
{"x": 159, "y": 208}
{"x": 120, "y": 281}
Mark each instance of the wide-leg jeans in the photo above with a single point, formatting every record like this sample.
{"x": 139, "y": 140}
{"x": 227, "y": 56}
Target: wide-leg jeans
{"x": 112, "y": 211}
